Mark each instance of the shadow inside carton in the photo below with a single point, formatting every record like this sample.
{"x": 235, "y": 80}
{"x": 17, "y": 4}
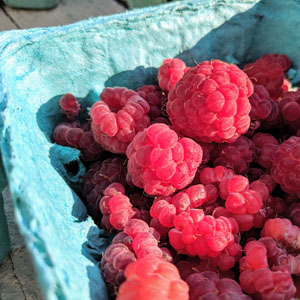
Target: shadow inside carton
{"x": 97, "y": 241}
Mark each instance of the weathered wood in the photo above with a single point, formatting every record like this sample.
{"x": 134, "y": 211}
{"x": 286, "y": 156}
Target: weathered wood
{"x": 5, "y": 22}
{"x": 66, "y": 12}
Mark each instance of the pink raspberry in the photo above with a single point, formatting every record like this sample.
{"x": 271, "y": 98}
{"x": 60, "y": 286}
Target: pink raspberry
{"x": 266, "y": 145}
{"x": 170, "y": 72}
{"x": 290, "y": 108}
{"x": 70, "y": 107}
{"x": 215, "y": 175}
{"x": 197, "y": 234}
{"x": 210, "y": 103}
{"x": 286, "y": 166}
{"x": 116, "y": 206}
{"x": 155, "y": 97}
{"x": 116, "y": 119}
{"x": 207, "y": 285}
{"x": 237, "y": 155}
{"x": 269, "y": 72}
{"x": 160, "y": 163}
{"x": 152, "y": 278}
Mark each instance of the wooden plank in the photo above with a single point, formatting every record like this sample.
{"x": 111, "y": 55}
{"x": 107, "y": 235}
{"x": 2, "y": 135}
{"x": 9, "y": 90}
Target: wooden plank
{"x": 5, "y": 22}
{"x": 67, "y": 11}
{"x": 17, "y": 276}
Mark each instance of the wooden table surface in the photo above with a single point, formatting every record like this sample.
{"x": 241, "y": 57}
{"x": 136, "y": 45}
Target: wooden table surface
{"x": 17, "y": 277}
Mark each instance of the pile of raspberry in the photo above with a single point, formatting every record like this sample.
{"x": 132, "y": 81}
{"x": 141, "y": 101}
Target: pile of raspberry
{"x": 196, "y": 178}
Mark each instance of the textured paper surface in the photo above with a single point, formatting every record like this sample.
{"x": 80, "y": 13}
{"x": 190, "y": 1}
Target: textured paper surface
{"x": 37, "y": 66}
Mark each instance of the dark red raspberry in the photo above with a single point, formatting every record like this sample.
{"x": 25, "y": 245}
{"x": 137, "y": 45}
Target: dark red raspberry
{"x": 266, "y": 146}
{"x": 286, "y": 166}
{"x": 70, "y": 107}
{"x": 155, "y": 97}
{"x": 269, "y": 72}
{"x": 208, "y": 285}
{"x": 76, "y": 135}
{"x": 237, "y": 155}
{"x": 294, "y": 214}
{"x": 116, "y": 206}
{"x": 118, "y": 117}
{"x": 160, "y": 163}
{"x": 268, "y": 284}
{"x": 113, "y": 263}
{"x": 170, "y": 72}
{"x": 97, "y": 178}
{"x": 153, "y": 278}
{"x": 210, "y": 103}
{"x": 290, "y": 108}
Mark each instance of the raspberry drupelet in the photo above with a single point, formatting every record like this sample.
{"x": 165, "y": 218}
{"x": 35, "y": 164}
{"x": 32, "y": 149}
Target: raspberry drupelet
{"x": 70, "y": 107}
{"x": 118, "y": 117}
{"x": 153, "y": 278}
{"x": 210, "y": 103}
{"x": 160, "y": 162}
{"x": 286, "y": 166}
{"x": 170, "y": 72}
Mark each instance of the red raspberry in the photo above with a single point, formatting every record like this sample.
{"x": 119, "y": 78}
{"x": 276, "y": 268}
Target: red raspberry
{"x": 229, "y": 256}
{"x": 210, "y": 103}
{"x": 97, "y": 178}
{"x": 215, "y": 175}
{"x": 286, "y": 166}
{"x": 237, "y": 155}
{"x": 196, "y": 234}
{"x": 207, "y": 285}
{"x": 290, "y": 108}
{"x": 268, "y": 285}
{"x": 70, "y": 107}
{"x": 113, "y": 263}
{"x": 160, "y": 163}
{"x": 297, "y": 285}
{"x": 116, "y": 119}
{"x": 152, "y": 278}
{"x": 144, "y": 238}
{"x": 266, "y": 145}
{"x": 294, "y": 214}
{"x": 269, "y": 72}
{"x": 76, "y": 135}
{"x": 155, "y": 97}
{"x": 170, "y": 72}
{"x": 117, "y": 206}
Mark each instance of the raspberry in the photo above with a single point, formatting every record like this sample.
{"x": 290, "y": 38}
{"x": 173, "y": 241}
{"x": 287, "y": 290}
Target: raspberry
{"x": 286, "y": 166}
{"x": 163, "y": 211}
{"x": 113, "y": 263}
{"x": 229, "y": 256}
{"x": 70, "y": 107}
{"x": 155, "y": 97}
{"x": 144, "y": 238}
{"x": 117, "y": 206}
{"x": 294, "y": 214}
{"x": 268, "y": 284}
{"x": 196, "y": 234}
{"x": 152, "y": 278}
{"x": 266, "y": 145}
{"x": 160, "y": 163}
{"x": 76, "y": 135}
{"x": 210, "y": 103}
{"x": 269, "y": 72}
{"x": 290, "y": 109}
{"x": 116, "y": 119}
{"x": 170, "y": 72}
{"x": 237, "y": 155}
{"x": 207, "y": 285}
{"x": 97, "y": 178}
{"x": 215, "y": 175}
{"x": 207, "y": 149}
